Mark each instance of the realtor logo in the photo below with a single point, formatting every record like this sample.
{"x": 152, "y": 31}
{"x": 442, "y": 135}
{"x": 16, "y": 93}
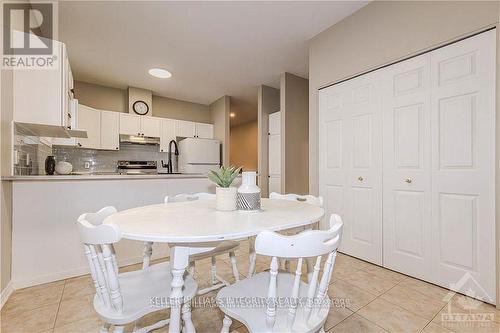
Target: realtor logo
{"x": 28, "y": 34}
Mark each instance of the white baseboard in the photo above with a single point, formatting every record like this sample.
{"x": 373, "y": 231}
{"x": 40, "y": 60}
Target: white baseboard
{"x": 56, "y": 276}
{"x": 6, "y": 292}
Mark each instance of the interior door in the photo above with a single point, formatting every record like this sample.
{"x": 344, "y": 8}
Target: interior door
{"x": 351, "y": 162}
{"x": 150, "y": 126}
{"x": 463, "y": 165}
{"x": 110, "y": 125}
{"x": 407, "y": 181}
{"x": 274, "y": 152}
{"x": 89, "y": 119}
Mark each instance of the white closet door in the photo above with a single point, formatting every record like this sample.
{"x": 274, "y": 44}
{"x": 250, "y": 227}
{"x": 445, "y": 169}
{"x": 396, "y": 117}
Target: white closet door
{"x": 351, "y": 163}
{"x": 407, "y": 177}
{"x": 463, "y": 165}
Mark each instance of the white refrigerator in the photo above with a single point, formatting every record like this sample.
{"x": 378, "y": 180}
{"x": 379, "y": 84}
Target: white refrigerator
{"x": 198, "y": 155}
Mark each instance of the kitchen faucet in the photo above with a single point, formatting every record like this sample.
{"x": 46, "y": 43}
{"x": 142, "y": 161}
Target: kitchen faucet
{"x": 176, "y": 152}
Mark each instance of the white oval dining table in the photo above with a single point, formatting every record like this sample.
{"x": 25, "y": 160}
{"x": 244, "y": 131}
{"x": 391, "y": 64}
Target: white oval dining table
{"x": 196, "y": 226}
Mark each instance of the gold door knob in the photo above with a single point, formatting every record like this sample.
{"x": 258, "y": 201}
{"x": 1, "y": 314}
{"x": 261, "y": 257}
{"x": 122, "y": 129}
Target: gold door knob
{"x": 360, "y": 178}
{"x": 408, "y": 180}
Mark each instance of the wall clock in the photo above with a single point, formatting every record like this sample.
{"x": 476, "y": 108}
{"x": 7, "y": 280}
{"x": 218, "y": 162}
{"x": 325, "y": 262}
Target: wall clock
{"x": 140, "y": 107}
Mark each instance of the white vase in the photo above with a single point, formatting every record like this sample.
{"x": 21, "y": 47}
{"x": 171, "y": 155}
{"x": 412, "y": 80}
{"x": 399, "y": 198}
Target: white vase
{"x": 226, "y": 198}
{"x": 249, "y": 192}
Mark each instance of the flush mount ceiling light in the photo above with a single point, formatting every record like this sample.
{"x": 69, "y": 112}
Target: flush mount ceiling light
{"x": 232, "y": 115}
{"x": 160, "y": 73}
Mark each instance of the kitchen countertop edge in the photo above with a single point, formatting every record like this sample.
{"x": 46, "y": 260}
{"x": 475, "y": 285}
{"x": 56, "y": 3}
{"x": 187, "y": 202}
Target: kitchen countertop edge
{"x": 100, "y": 177}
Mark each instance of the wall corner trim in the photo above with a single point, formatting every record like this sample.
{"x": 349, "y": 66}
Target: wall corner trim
{"x": 6, "y": 292}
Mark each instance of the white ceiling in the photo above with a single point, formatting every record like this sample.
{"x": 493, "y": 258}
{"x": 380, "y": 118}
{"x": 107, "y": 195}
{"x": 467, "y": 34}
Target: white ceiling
{"x": 211, "y": 48}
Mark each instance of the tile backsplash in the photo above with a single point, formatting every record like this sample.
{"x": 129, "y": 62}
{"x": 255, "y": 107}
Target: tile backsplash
{"x": 105, "y": 160}
{"x": 29, "y": 154}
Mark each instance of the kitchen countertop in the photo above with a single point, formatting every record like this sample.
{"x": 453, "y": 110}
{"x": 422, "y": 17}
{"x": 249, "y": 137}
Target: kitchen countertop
{"x": 101, "y": 177}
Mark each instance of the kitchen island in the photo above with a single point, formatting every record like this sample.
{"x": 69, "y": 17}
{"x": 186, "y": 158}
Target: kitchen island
{"x": 45, "y": 242}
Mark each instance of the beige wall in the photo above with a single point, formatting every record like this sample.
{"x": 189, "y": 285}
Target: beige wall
{"x": 268, "y": 101}
{"x": 244, "y": 146}
{"x": 177, "y": 109}
{"x": 384, "y": 32}
{"x": 380, "y": 33}
{"x": 294, "y": 100}
{"x": 113, "y": 99}
{"x": 101, "y": 97}
{"x": 219, "y": 116}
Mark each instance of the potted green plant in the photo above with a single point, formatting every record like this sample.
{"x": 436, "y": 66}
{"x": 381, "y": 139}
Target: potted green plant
{"x": 225, "y": 193}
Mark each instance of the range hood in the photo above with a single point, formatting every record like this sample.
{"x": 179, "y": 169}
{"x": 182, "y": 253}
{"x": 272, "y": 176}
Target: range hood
{"x": 139, "y": 140}
{"x": 50, "y": 131}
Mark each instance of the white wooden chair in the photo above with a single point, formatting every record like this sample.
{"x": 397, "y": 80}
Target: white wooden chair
{"x": 310, "y": 199}
{"x": 283, "y": 302}
{"x": 216, "y": 280}
{"x": 123, "y": 298}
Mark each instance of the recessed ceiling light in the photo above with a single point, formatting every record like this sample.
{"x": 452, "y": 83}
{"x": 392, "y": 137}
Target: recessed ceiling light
{"x": 160, "y": 73}
{"x": 232, "y": 115}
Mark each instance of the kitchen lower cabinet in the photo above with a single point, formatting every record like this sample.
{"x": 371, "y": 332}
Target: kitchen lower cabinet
{"x": 110, "y": 126}
{"x": 407, "y": 158}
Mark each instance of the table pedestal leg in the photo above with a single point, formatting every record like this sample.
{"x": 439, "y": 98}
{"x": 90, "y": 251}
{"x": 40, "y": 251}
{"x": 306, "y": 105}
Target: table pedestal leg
{"x": 179, "y": 260}
{"x": 252, "y": 257}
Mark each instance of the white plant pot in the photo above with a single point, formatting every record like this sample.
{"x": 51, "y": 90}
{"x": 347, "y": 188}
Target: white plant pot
{"x": 226, "y": 198}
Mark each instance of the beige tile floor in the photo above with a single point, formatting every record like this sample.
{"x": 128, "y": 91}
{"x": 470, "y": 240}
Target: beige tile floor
{"x": 367, "y": 298}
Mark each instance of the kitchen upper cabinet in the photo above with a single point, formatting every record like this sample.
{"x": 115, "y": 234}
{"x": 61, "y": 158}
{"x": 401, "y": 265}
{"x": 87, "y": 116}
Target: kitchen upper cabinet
{"x": 130, "y": 124}
{"x": 150, "y": 126}
{"x": 110, "y": 128}
{"x": 204, "y": 131}
{"x": 189, "y": 129}
{"x": 140, "y": 125}
{"x": 167, "y": 133}
{"x": 89, "y": 119}
{"x": 185, "y": 129}
{"x": 41, "y": 97}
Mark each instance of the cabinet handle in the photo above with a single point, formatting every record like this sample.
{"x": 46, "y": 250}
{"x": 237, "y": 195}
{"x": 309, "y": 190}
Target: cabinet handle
{"x": 116, "y": 148}
{"x": 79, "y": 144}
{"x": 360, "y": 178}
{"x": 408, "y": 180}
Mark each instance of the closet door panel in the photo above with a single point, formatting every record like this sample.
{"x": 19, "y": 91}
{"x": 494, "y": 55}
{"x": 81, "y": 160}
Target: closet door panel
{"x": 463, "y": 165}
{"x": 350, "y": 163}
{"x": 407, "y": 197}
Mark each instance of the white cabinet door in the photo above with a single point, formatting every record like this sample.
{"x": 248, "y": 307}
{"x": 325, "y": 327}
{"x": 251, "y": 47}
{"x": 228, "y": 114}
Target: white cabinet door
{"x": 130, "y": 124}
{"x": 150, "y": 126}
{"x": 38, "y": 93}
{"x": 275, "y": 184}
{"x": 186, "y": 129}
{"x": 89, "y": 119}
{"x": 204, "y": 131}
{"x": 275, "y": 123}
{"x": 350, "y": 162}
{"x": 167, "y": 133}
{"x": 463, "y": 165}
{"x": 407, "y": 181}
{"x": 110, "y": 136}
